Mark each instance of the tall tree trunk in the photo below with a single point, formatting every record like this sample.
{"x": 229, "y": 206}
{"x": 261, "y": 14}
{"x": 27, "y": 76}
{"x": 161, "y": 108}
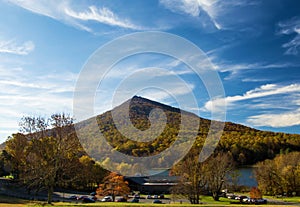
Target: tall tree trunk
{"x": 215, "y": 196}
{"x": 198, "y": 198}
{"x": 50, "y": 193}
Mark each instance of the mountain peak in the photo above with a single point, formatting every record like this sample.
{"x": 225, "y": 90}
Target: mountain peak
{"x": 140, "y": 101}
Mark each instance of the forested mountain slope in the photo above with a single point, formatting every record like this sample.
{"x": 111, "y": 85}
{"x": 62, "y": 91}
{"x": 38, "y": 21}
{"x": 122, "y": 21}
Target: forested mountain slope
{"x": 247, "y": 145}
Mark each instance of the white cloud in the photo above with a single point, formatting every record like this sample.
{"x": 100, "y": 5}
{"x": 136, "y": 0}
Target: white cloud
{"x": 255, "y": 80}
{"x": 291, "y": 27}
{"x": 235, "y": 68}
{"x": 102, "y": 15}
{"x": 194, "y": 8}
{"x": 260, "y": 92}
{"x": 12, "y": 47}
{"x": 215, "y": 10}
{"x": 63, "y": 11}
{"x": 24, "y": 93}
{"x": 228, "y": 67}
{"x": 264, "y": 100}
{"x": 276, "y": 120}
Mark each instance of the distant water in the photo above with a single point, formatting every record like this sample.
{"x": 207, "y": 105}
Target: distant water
{"x": 247, "y": 177}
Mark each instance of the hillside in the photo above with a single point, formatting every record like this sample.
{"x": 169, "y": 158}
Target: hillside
{"x": 247, "y": 145}
{"x": 2, "y": 146}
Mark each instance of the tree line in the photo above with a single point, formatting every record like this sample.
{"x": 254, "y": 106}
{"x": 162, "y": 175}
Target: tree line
{"x": 280, "y": 176}
{"x": 199, "y": 178}
{"x": 48, "y": 154}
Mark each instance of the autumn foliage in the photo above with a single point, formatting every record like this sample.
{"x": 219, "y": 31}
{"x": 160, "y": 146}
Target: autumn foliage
{"x": 113, "y": 184}
{"x": 255, "y": 193}
{"x": 280, "y": 176}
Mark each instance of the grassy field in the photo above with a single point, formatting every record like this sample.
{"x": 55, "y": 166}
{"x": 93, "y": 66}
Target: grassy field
{"x": 206, "y": 201}
{"x": 285, "y": 199}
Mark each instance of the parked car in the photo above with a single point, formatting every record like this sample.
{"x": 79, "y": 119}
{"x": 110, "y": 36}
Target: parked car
{"x": 107, "y": 199}
{"x": 81, "y": 197}
{"x": 122, "y": 200}
{"x": 255, "y": 201}
{"x": 157, "y": 201}
{"x": 137, "y": 196}
{"x": 94, "y": 198}
{"x": 155, "y": 196}
{"x": 88, "y": 200}
{"x": 260, "y": 201}
{"x": 148, "y": 197}
{"x": 231, "y": 196}
{"x": 135, "y": 200}
{"x": 161, "y": 196}
{"x": 72, "y": 197}
{"x": 240, "y": 198}
{"x": 246, "y": 200}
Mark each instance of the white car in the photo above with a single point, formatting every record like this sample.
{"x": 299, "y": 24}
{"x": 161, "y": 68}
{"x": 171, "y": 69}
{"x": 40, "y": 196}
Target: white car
{"x": 107, "y": 199}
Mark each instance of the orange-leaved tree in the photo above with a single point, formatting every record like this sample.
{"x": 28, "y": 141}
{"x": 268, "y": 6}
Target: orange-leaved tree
{"x": 113, "y": 185}
{"x": 255, "y": 193}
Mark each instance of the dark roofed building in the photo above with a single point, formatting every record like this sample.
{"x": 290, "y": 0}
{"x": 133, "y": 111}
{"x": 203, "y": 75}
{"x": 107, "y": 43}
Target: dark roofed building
{"x": 154, "y": 184}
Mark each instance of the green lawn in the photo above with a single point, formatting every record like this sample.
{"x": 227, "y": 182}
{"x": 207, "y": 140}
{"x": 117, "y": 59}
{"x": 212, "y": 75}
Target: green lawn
{"x": 295, "y": 199}
{"x": 206, "y": 201}
{"x": 144, "y": 205}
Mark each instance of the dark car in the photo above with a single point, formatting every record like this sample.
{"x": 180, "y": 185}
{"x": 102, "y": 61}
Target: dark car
{"x": 157, "y": 201}
{"x": 122, "y": 200}
{"x": 82, "y": 197}
{"x": 260, "y": 201}
{"x": 88, "y": 200}
{"x": 72, "y": 197}
{"x": 135, "y": 200}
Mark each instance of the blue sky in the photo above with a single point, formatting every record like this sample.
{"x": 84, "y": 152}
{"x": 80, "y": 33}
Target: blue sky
{"x": 254, "y": 46}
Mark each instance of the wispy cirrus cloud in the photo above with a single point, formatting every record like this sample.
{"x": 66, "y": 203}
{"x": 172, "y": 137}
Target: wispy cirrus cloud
{"x": 213, "y": 9}
{"x": 64, "y": 11}
{"x": 235, "y": 68}
{"x": 102, "y": 15}
{"x": 12, "y": 47}
{"x": 291, "y": 27}
{"x": 194, "y": 8}
{"x": 24, "y": 93}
